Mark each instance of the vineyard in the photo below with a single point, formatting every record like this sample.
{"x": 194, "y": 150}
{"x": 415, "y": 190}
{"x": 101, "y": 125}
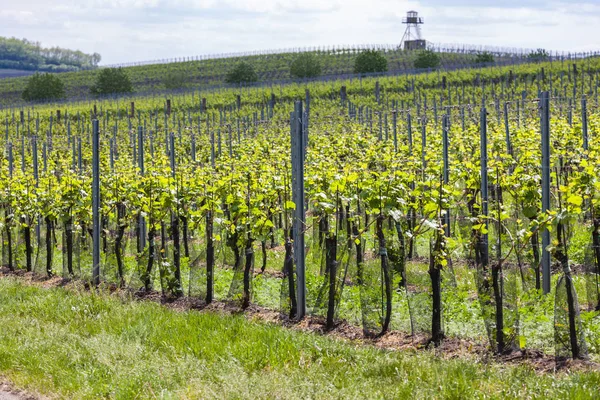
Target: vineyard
{"x": 443, "y": 205}
{"x": 210, "y": 72}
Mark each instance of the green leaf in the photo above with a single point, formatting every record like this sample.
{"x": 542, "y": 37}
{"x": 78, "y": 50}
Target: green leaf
{"x": 575, "y": 200}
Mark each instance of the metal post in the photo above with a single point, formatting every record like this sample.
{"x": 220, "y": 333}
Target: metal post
{"x": 484, "y": 184}
{"x": 545, "y": 125}
{"x": 96, "y": 201}
{"x": 23, "y": 153}
{"x": 219, "y": 141}
{"x": 409, "y": 128}
{"x": 394, "y": 129}
{"x": 175, "y": 223}
{"x": 305, "y": 131}
{"x": 172, "y": 153}
{"x": 230, "y": 140}
{"x": 212, "y": 148}
{"x": 584, "y": 122}
{"x": 111, "y": 145}
{"x": 140, "y": 150}
{"x": 509, "y": 149}
{"x": 445, "y": 128}
{"x": 45, "y": 156}
{"x": 299, "y": 213}
{"x": 10, "y": 159}
{"x": 385, "y": 123}
{"x": 423, "y": 142}
{"x": 193, "y": 148}
{"x": 141, "y": 219}
{"x": 35, "y": 159}
{"x": 79, "y": 157}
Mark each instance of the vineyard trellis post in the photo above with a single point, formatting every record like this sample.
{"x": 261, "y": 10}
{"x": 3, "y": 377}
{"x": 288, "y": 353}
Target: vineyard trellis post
{"x": 175, "y": 223}
{"x": 10, "y": 159}
{"x": 484, "y": 188}
{"x": 584, "y": 122}
{"x": 34, "y": 154}
{"x": 394, "y": 130}
{"x": 298, "y": 150}
{"x": 445, "y": 129}
{"x": 141, "y": 220}
{"x": 409, "y": 132}
{"x": 96, "y": 202}
{"x": 545, "y": 125}
{"x": 423, "y": 142}
{"x": 509, "y": 148}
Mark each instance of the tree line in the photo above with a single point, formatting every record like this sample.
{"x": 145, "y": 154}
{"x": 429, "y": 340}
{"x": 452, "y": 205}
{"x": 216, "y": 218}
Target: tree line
{"x": 29, "y": 55}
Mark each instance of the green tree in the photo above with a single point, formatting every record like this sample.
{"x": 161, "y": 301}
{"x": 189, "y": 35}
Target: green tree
{"x": 44, "y": 87}
{"x": 370, "y": 61}
{"x": 306, "y": 65}
{"x": 484, "y": 58}
{"x": 539, "y": 55}
{"x": 243, "y": 72}
{"x": 111, "y": 81}
{"x": 427, "y": 59}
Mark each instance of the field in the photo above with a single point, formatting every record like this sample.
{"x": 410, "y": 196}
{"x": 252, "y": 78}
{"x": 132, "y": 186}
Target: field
{"x": 426, "y": 215}
{"x": 210, "y": 73}
{"x": 13, "y": 73}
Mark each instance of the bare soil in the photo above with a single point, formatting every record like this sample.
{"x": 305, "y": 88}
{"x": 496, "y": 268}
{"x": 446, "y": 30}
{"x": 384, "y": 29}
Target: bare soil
{"x": 7, "y": 392}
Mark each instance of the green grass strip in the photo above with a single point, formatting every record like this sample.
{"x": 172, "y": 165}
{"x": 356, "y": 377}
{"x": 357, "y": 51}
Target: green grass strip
{"x": 68, "y": 344}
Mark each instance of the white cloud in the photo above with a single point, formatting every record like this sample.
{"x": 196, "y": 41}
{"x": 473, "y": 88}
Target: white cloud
{"x": 136, "y": 30}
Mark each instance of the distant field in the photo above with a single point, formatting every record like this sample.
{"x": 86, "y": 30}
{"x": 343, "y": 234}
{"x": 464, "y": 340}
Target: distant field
{"x": 14, "y": 73}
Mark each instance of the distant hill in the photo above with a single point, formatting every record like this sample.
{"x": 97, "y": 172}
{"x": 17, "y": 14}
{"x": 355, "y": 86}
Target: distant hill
{"x": 273, "y": 67}
{"x": 24, "y": 55}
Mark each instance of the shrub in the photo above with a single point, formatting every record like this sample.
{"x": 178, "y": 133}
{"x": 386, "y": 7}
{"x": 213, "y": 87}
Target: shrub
{"x": 484, "y": 58}
{"x": 242, "y": 73}
{"x": 44, "y": 87}
{"x": 427, "y": 59}
{"x": 174, "y": 80}
{"x": 370, "y": 61}
{"x": 306, "y": 65}
{"x": 111, "y": 81}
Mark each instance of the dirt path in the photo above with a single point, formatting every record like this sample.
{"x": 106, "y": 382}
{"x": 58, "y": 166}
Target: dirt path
{"x": 9, "y": 396}
{"x": 8, "y": 393}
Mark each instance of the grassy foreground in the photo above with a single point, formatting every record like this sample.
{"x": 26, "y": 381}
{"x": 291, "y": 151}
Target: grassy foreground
{"x": 66, "y": 344}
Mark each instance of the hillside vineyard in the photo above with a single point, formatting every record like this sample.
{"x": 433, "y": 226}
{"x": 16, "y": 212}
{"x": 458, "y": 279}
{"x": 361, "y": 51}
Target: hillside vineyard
{"x": 462, "y": 204}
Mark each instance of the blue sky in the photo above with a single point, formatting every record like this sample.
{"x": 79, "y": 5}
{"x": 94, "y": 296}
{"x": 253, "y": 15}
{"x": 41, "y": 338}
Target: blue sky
{"x": 137, "y": 30}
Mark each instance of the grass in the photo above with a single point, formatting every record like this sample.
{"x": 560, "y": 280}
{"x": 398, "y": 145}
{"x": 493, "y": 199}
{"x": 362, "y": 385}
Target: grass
{"x": 69, "y": 344}
{"x": 462, "y": 316}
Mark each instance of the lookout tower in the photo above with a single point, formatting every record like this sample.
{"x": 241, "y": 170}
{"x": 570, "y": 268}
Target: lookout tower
{"x": 412, "y": 36}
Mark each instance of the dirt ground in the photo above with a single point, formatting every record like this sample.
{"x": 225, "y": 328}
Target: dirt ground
{"x": 7, "y": 392}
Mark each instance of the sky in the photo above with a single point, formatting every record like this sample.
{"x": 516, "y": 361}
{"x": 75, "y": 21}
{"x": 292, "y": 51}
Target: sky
{"x": 139, "y": 30}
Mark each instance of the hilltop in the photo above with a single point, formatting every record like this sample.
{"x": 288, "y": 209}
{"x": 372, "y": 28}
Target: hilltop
{"x": 271, "y": 67}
